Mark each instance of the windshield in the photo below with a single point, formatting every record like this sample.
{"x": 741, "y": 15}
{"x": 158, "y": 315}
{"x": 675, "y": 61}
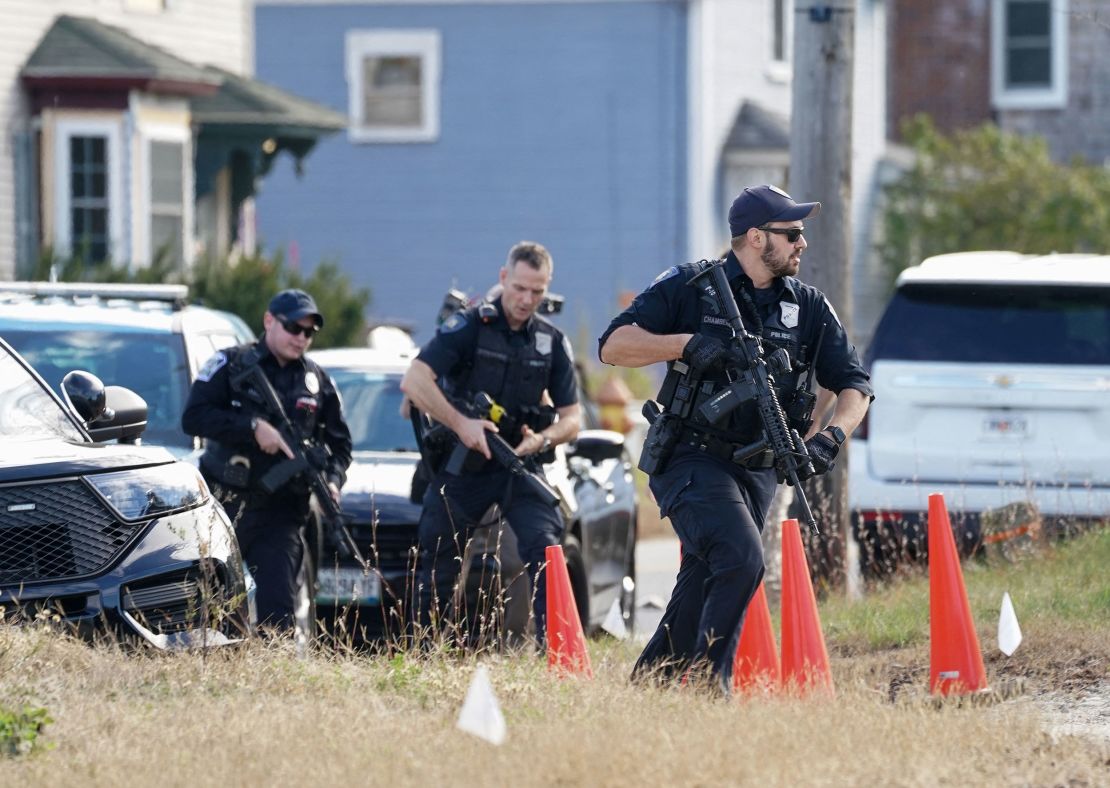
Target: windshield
{"x": 151, "y": 365}
{"x": 372, "y": 407}
{"x": 26, "y": 410}
{"x": 997, "y": 324}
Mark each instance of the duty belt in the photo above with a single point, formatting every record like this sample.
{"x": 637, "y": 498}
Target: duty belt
{"x": 723, "y": 450}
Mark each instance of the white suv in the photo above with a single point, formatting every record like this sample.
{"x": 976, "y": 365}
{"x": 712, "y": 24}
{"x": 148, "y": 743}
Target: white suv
{"x": 992, "y": 385}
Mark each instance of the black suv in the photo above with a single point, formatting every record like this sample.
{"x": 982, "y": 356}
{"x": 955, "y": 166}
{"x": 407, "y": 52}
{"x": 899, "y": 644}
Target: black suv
{"x": 108, "y": 538}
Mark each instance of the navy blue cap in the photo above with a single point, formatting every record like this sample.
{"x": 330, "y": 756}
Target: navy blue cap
{"x": 758, "y": 205}
{"x": 295, "y": 304}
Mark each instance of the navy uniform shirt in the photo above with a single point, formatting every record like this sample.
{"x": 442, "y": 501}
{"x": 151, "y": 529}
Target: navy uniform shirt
{"x": 216, "y": 412}
{"x": 451, "y": 352}
{"x": 791, "y": 313}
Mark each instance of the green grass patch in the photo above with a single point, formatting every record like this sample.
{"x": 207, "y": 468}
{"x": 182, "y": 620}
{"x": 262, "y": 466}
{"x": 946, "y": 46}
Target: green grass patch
{"x": 1062, "y": 583}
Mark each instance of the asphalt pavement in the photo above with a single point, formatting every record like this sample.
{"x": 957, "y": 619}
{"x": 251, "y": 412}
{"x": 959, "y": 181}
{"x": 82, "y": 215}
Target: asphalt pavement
{"x": 656, "y": 567}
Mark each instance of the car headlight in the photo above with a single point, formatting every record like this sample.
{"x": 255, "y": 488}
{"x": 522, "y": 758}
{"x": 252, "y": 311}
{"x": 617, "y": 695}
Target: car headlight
{"x": 146, "y": 492}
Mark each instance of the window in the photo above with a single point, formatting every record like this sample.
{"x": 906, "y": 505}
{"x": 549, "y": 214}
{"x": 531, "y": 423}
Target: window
{"x": 1029, "y": 47}
{"x": 393, "y": 79}
{"x": 87, "y": 194}
{"x": 88, "y": 174}
{"x": 167, "y": 202}
{"x": 780, "y": 46}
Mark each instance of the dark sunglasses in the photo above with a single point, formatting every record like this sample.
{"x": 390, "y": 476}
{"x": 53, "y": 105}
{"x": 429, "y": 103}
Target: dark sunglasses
{"x": 792, "y": 233}
{"x": 296, "y": 328}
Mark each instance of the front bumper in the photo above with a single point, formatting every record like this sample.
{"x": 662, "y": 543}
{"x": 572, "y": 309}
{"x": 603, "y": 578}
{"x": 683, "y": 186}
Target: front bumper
{"x": 179, "y": 584}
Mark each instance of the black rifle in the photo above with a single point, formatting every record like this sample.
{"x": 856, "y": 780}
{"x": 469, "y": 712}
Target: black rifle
{"x": 308, "y": 459}
{"x": 752, "y": 378}
{"x": 462, "y": 458}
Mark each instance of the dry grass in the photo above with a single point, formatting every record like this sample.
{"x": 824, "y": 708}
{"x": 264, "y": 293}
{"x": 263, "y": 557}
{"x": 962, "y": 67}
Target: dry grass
{"x": 260, "y": 716}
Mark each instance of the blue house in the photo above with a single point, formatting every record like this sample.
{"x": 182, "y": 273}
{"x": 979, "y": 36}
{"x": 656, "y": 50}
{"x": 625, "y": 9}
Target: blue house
{"x": 615, "y": 132}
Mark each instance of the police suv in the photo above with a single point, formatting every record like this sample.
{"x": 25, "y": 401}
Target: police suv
{"x": 144, "y": 337}
{"x": 992, "y": 385}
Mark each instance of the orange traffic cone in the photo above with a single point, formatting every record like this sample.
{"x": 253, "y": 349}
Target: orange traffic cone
{"x": 566, "y": 643}
{"x": 805, "y": 662}
{"x": 756, "y": 664}
{"x": 956, "y": 663}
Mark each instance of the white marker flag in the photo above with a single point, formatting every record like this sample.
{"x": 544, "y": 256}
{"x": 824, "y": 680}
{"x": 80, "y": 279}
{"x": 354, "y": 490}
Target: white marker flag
{"x": 614, "y": 621}
{"x": 481, "y": 713}
{"x": 1009, "y": 632}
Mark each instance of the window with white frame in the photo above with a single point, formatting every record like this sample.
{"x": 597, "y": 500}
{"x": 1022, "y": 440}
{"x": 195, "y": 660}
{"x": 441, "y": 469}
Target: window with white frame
{"x": 167, "y": 201}
{"x": 87, "y": 193}
{"x": 780, "y": 30}
{"x": 393, "y": 83}
{"x": 1029, "y": 54}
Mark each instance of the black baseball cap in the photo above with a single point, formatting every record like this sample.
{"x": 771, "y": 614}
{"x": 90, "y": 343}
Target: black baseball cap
{"x": 757, "y": 205}
{"x": 295, "y": 304}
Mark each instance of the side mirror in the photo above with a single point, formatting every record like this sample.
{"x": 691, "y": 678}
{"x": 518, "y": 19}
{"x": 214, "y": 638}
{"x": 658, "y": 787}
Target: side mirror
{"x": 85, "y": 395}
{"x": 597, "y": 446}
{"x": 108, "y": 412}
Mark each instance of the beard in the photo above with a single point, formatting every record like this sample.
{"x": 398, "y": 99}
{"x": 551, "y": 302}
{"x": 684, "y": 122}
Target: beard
{"x": 778, "y": 264}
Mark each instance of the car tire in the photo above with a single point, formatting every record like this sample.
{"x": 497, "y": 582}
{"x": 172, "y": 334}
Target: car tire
{"x": 628, "y": 589}
{"x": 576, "y": 568}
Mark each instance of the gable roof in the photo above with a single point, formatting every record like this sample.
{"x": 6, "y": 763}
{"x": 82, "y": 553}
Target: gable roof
{"x": 82, "y": 48}
{"x": 757, "y": 128}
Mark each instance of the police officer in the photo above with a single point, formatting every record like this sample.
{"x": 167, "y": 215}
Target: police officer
{"x": 242, "y": 445}
{"x": 518, "y": 358}
{"x": 718, "y": 506}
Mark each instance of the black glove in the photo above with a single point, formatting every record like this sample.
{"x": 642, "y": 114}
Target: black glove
{"x": 822, "y": 452}
{"x": 704, "y": 354}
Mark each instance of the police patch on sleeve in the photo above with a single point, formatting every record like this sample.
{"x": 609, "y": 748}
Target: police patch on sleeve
{"x": 212, "y": 366}
{"x": 567, "y": 348}
{"x": 453, "y": 323}
{"x": 312, "y": 383}
{"x": 672, "y": 271}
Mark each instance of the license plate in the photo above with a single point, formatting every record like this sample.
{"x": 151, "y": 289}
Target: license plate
{"x": 344, "y": 585}
{"x": 1006, "y": 425}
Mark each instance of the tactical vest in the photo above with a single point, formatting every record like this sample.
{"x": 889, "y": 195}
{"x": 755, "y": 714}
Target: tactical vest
{"x": 514, "y": 375}
{"x": 743, "y": 426}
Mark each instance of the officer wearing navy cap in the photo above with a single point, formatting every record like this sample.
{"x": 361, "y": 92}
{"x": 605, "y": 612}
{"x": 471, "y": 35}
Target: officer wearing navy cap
{"x": 507, "y": 351}
{"x": 242, "y": 445}
{"x": 717, "y": 505}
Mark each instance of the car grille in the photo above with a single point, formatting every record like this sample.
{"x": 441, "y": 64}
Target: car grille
{"x": 392, "y": 547}
{"x": 68, "y": 533}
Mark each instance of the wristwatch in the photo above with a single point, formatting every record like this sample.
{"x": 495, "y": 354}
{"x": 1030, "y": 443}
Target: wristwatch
{"x": 546, "y": 443}
{"x": 837, "y": 434}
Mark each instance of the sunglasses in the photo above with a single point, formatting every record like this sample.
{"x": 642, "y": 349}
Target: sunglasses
{"x": 295, "y": 328}
{"x": 792, "y": 233}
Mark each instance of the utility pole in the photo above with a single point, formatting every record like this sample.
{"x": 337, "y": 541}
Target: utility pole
{"x": 821, "y": 169}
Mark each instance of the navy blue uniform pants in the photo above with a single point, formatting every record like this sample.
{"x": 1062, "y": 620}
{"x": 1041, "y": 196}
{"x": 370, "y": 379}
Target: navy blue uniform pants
{"x": 717, "y": 509}
{"x": 270, "y": 541}
{"x": 453, "y": 505}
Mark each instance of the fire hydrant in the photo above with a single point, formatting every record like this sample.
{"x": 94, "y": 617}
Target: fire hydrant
{"x": 613, "y": 396}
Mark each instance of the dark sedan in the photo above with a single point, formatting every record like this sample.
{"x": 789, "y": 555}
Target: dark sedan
{"x": 593, "y": 476}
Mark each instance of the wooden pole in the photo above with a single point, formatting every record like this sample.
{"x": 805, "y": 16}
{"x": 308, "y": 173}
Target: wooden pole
{"x": 821, "y": 169}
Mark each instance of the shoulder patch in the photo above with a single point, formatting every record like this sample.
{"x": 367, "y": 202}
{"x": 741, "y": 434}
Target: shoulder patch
{"x": 454, "y": 323}
{"x": 828, "y": 303}
{"x": 212, "y": 366}
{"x": 672, "y": 271}
{"x": 567, "y": 348}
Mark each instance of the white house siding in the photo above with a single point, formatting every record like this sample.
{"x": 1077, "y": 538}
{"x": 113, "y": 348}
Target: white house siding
{"x": 216, "y": 32}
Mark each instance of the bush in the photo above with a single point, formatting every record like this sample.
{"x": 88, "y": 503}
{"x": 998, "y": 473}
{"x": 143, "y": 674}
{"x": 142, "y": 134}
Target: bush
{"x": 985, "y": 188}
{"x": 243, "y": 286}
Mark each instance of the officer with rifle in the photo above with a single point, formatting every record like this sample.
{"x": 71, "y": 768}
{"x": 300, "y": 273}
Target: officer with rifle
{"x": 275, "y": 435}
{"x": 486, "y": 376}
{"x": 744, "y": 342}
